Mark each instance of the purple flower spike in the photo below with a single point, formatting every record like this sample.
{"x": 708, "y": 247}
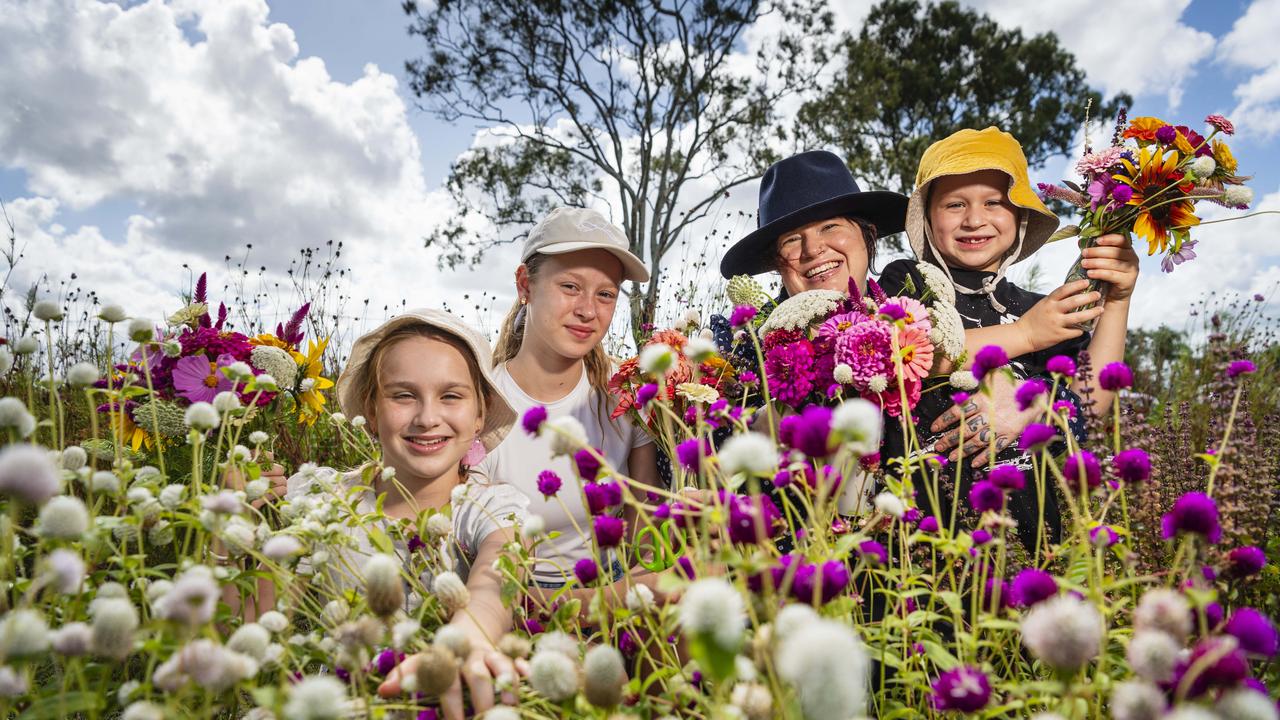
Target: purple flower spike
{"x": 964, "y": 689}
{"x": 1082, "y": 467}
{"x": 985, "y": 495}
{"x": 1246, "y": 561}
{"x": 549, "y": 483}
{"x": 1061, "y": 365}
{"x": 586, "y": 570}
{"x": 1241, "y": 367}
{"x": 1035, "y": 436}
{"x": 1028, "y": 391}
{"x": 608, "y": 530}
{"x": 987, "y": 359}
{"x": 1032, "y": 586}
{"x": 1115, "y": 376}
{"x": 1255, "y": 631}
{"x": 1132, "y": 465}
{"x": 647, "y": 392}
{"x": 1194, "y": 513}
{"x": 1007, "y": 477}
{"x": 533, "y": 419}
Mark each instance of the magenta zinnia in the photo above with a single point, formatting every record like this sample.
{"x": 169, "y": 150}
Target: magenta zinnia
{"x": 790, "y": 371}
{"x": 867, "y": 348}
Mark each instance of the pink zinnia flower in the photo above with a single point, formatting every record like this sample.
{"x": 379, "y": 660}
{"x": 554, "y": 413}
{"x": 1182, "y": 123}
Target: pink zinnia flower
{"x": 1222, "y": 124}
{"x": 917, "y": 313}
{"x": 199, "y": 380}
{"x": 917, "y": 353}
{"x": 837, "y": 325}
{"x": 867, "y": 348}
{"x": 1100, "y": 162}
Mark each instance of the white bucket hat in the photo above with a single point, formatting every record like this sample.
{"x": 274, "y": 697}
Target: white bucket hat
{"x": 498, "y": 415}
{"x": 568, "y": 229}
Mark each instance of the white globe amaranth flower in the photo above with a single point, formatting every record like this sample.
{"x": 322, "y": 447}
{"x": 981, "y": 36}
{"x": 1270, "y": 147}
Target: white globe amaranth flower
{"x": 1152, "y": 655}
{"x": 889, "y": 504}
{"x": 403, "y": 632}
{"x": 753, "y": 699}
{"x": 963, "y": 380}
{"x": 384, "y": 588}
{"x": 699, "y": 349}
{"x": 1164, "y": 610}
{"x": 250, "y": 639}
{"x": 1203, "y": 166}
{"x": 239, "y": 454}
{"x": 534, "y": 527}
{"x": 64, "y": 517}
{"x": 713, "y": 610}
{"x": 141, "y": 330}
{"x": 359, "y": 421}
{"x": 112, "y": 314}
{"x": 553, "y": 675}
{"x": 1192, "y": 712}
{"x": 1237, "y": 195}
{"x": 201, "y": 416}
{"x": 1065, "y": 633}
{"x": 566, "y": 434}
{"x": 161, "y": 534}
{"x": 878, "y": 383}
{"x": 65, "y": 569}
{"x": 439, "y": 526}
{"x": 282, "y": 547}
{"x": 72, "y": 640}
{"x": 28, "y": 474}
{"x": 258, "y": 437}
{"x": 388, "y": 474}
{"x": 12, "y": 684}
{"x": 656, "y": 358}
{"x": 226, "y": 402}
{"x": 47, "y": 311}
{"x": 859, "y": 424}
{"x": 266, "y": 382}
{"x": 74, "y": 458}
{"x": 1246, "y": 704}
{"x": 239, "y": 535}
{"x": 751, "y": 453}
{"x": 223, "y": 502}
{"x": 105, "y": 481}
{"x": 451, "y": 591}
{"x": 1137, "y": 700}
{"x": 842, "y": 373}
{"x": 14, "y": 415}
{"x": 338, "y": 418}
{"x": 255, "y": 489}
{"x": 639, "y": 598}
{"x": 560, "y": 642}
{"x": 335, "y": 612}
{"x": 603, "y": 676}
{"x": 82, "y": 374}
{"x": 23, "y": 634}
{"x": 274, "y": 620}
{"x": 454, "y": 639}
{"x": 238, "y": 371}
{"x": 143, "y": 710}
{"x": 798, "y": 312}
{"x": 171, "y": 496}
{"x": 826, "y": 664}
{"x": 192, "y": 599}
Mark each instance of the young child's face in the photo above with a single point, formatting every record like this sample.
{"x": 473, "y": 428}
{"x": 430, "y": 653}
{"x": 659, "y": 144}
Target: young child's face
{"x": 974, "y": 224}
{"x": 428, "y": 411}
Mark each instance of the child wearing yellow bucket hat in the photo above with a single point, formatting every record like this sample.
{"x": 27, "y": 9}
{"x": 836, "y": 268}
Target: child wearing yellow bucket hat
{"x": 972, "y": 216}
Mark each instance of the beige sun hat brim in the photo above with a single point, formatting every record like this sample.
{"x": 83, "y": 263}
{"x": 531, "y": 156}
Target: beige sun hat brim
{"x": 499, "y": 416}
{"x": 632, "y": 267}
{"x": 969, "y": 151}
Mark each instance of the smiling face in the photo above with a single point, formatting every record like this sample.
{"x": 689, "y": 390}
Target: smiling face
{"x": 427, "y": 408}
{"x": 974, "y": 225}
{"x": 823, "y": 254}
{"x": 571, "y": 300}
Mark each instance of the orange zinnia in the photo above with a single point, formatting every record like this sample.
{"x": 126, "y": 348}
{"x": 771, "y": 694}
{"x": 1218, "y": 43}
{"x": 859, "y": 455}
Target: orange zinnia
{"x": 1144, "y": 128}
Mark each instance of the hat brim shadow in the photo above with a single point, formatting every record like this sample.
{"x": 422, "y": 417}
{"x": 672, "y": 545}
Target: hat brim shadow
{"x": 752, "y": 254}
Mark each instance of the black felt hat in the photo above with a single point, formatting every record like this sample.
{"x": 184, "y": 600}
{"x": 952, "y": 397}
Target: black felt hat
{"x": 806, "y": 188}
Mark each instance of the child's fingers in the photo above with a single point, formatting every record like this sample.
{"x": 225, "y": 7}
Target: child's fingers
{"x": 1070, "y": 288}
{"x": 1075, "y": 301}
{"x": 1115, "y": 277}
{"x": 1095, "y": 253}
{"x": 1111, "y": 239}
{"x": 1079, "y": 318}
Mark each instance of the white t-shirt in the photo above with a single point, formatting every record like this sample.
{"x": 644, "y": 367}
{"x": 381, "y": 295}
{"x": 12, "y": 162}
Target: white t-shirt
{"x": 478, "y": 509}
{"x": 520, "y": 458}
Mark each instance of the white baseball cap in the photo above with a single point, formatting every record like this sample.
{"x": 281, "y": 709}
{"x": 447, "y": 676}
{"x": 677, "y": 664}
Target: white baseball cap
{"x": 568, "y": 229}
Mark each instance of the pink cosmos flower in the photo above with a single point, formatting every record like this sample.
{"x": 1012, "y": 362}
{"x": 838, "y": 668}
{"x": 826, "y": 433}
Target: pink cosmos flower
{"x": 198, "y": 380}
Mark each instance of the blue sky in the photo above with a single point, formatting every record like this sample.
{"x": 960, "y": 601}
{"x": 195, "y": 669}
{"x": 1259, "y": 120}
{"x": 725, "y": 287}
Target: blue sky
{"x": 317, "y": 137}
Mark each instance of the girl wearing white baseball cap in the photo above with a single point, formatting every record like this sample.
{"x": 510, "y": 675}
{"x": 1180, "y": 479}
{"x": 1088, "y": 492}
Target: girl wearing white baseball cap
{"x": 549, "y": 354}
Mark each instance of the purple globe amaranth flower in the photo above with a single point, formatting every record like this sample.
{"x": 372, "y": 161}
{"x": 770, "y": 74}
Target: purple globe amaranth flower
{"x": 1254, "y": 630}
{"x": 1031, "y": 586}
{"x": 1007, "y": 477}
{"x": 601, "y": 496}
{"x": 1194, "y": 513}
{"x": 1121, "y": 193}
{"x": 1213, "y": 614}
{"x": 835, "y": 578}
{"x": 893, "y": 311}
{"x": 959, "y": 398}
{"x": 742, "y": 315}
{"x": 1228, "y": 669}
{"x": 990, "y": 357}
{"x": 684, "y": 566}
{"x": 1241, "y": 367}
{"x": 929, "y": 524}
{"x": 1166, "y": 134}
{"x": 752, "y": 519}
{"x": 628, "y": 645}
{"x": 1132, "y": 465}
{"x": 787, "y": 428}
{"x": 533, "y": 419}
{"x": 1061, "y": 365}
{"x": 549, "y": 483}
{"x": 386, "y": 661}
{"x": 811, "y": 435}
{"x": 1028, "y": 391}
{"x": 981, "y": 537}
{"x": 804, "y": 581}
{"x": 986, "y": 495}
{"x": 963, "y": 689}
{"x": 608, "y": 530}
{"x": 1104, "y": 535}
{"x": 1246, "y": 561}
{"x": 1082, "y": 468}
{"x": 588, "y": 464}
{"x": 691, "y": 452}
{"x": 647, "y": 392}
{"x": 873, "y": 552}
{"x": 586, "y": 570}
{"x": 1115, "y": 376}
{"x": 996, "y": 594}
{"x": 1036, "y": 436}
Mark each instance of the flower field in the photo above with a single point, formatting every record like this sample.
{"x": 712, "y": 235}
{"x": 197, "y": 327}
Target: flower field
{"x": 807, "y": 577}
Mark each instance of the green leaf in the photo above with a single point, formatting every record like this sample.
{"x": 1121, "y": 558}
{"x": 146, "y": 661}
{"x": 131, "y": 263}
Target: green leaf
{"x": 1067, "y": 231}
{"x": 939, "y": 655}
{"x": 379, "y": 539}
{"x": 62, "y": 705}
{"x": 712, "y": 659}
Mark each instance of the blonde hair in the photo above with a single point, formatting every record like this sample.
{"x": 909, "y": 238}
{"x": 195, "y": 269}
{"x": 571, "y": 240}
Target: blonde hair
{"x": 510, "y": 339}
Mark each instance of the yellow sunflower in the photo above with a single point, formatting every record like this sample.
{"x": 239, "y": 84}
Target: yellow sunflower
{"x": 273, "y": 341}
{"x": 1163, "y": 208}
{"x": 311, "y": 403}
{"x": 127, "y": 432}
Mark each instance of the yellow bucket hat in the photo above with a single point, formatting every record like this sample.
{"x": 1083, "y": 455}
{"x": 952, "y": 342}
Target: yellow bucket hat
{"x": 970, "y": 151}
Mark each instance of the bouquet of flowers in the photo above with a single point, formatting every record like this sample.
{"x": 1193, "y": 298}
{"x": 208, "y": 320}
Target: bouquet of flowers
{"x": 691, "y": 373}
{"x": 821, "y": 346}
{"x": 1147, "y": 182}
{"x": 198, "y": 359}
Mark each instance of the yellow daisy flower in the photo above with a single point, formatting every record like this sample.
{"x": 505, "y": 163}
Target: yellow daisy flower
{"x": 311, "y": 403}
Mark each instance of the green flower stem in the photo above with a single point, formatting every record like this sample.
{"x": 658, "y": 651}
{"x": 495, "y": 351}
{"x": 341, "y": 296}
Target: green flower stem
{"x": 155, "y": 416}
{"x": 1226, "y": 437}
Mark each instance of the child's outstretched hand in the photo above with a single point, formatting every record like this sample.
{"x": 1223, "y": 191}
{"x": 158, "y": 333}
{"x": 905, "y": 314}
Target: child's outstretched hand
{"x": 1113, "y": 261}
{"x": 1055, "y": 318}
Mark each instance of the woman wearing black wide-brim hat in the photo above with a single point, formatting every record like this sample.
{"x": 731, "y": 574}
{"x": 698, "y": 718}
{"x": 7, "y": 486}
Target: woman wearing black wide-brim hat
{"x": 816, "y": 227}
